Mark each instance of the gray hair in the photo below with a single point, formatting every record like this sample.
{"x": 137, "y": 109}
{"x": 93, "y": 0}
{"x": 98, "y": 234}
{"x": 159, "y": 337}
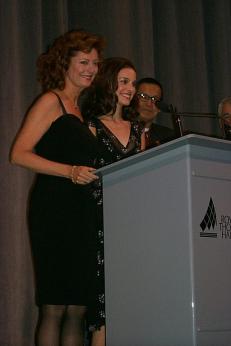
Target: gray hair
{"x": 222, "y": 102}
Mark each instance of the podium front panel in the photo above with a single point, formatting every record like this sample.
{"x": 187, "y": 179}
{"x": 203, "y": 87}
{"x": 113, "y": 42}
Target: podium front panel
{"x": 211, "y": 206}
{"x": 161, "y": 269}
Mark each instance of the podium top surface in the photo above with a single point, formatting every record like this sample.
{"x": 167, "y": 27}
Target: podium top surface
{"x": 194, "y": 145}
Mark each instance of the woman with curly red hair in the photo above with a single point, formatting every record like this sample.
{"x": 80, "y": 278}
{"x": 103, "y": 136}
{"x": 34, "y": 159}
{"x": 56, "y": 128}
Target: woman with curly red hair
{"x": 56, "y": 144}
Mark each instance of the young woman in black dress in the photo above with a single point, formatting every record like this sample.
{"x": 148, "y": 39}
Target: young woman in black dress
{"x": 105, "y": 105}
{"x": 55, "y": 143}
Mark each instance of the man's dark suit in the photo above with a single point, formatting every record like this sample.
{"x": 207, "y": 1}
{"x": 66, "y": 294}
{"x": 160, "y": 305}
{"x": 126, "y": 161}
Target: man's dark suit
{"x": 157, "y": 135}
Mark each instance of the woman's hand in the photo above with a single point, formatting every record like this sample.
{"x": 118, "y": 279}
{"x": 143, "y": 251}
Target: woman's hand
{"x": 83, "y": 175}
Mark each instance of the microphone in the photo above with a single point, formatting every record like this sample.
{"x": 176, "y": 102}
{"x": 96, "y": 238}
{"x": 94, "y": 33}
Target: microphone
{"x": 165, "y": 108}
{"x": 177, "y": 123}
{"x": 169, "y": 108}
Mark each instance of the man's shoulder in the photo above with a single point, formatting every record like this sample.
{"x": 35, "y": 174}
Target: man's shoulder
{"x": 162, "y": 129}
{"x": 161, "y": 133}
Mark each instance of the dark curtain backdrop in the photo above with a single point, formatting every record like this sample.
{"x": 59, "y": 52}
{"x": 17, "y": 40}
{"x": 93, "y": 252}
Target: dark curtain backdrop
{"x": 184, "y": 44}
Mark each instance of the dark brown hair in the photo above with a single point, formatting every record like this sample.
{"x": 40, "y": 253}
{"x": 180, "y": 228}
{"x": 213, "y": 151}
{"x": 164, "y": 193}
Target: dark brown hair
{"x": 53, "y": 64}
{"x": 100, "y": 98}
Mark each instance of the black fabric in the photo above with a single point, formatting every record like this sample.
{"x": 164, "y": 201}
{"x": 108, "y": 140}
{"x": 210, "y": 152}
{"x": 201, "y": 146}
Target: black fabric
{"x": 111, "y": 150}
{"x": 157, "y": 135}
{"x": 62, "y": 217}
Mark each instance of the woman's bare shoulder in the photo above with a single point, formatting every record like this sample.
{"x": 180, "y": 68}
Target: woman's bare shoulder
{"x": 47, "y": 105}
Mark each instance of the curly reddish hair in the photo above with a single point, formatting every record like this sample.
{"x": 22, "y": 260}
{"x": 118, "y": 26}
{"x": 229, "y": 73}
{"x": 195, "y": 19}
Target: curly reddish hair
{"x": 53, "y": 64}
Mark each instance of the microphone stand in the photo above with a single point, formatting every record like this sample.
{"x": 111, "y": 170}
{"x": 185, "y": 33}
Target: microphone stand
{"x": 177, "y": 122}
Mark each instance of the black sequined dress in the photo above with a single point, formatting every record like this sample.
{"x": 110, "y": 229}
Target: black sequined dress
{"x": 111, "y": 150}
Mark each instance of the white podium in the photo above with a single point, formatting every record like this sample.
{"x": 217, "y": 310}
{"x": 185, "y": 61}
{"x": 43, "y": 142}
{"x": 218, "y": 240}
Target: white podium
{"x": 167, "y": 224}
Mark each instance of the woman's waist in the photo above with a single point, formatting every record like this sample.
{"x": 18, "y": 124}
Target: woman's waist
{"x": 49, "y": 184}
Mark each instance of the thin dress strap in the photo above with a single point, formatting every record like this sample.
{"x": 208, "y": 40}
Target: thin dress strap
{"x": 60, "y": 102}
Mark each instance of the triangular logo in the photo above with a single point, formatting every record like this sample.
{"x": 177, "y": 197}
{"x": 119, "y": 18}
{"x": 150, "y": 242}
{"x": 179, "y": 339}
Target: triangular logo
{"x": 209, "y": 220}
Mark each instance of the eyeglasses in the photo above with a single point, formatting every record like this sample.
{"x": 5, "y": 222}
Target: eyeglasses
{"x": 145, "y": 97}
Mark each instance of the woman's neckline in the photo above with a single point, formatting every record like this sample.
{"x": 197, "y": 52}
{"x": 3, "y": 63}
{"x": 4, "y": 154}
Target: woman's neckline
{"x": 114, "y": 136}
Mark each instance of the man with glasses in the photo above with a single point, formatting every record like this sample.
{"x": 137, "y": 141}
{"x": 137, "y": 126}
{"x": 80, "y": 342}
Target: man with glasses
{"x": 149, "y": 92}
{"x": 224, "y": 111}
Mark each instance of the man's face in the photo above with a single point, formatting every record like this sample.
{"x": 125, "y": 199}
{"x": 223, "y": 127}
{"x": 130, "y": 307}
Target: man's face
{"x": 147, "y": 108}
{"x": 226, "y": 113}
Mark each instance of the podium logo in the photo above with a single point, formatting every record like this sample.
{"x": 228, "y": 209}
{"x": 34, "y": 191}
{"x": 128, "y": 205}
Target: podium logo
{"x": 225, "y": 226}
{"x": 209, "y": 221}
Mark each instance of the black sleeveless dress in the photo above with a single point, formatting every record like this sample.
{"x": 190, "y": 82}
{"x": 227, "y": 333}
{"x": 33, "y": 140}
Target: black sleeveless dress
{"x": 62, "y": 217}
{"x": 110, "y": 150}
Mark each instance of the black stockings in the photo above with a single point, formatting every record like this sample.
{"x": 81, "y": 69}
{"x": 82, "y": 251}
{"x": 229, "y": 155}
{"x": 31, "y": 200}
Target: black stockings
{"x": 61, "y": 325}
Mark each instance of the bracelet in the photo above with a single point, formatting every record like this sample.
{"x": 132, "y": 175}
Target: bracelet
{"x": 74, "y": 181}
